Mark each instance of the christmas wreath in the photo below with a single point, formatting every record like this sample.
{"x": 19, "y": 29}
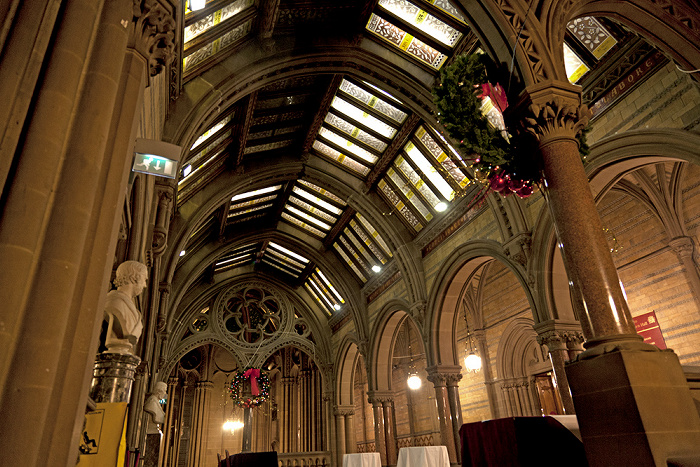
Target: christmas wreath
{"x": 500, "y": 157}
{"x": 259, "y": 387}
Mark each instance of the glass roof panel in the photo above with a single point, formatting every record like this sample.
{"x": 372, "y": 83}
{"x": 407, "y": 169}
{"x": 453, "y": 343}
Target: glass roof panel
{"x": 314, "y": 210}
{"x": 322, "y": 191}
{"x": 422, "y": 20}
{"x": 401, "y": 164}
{"x": 252, "y": 202}
{"x": 262, "y": 191}
{"x": 204, "y": 136}
{"x": 409, "y": 194}
{"x": 363, "y": 117}
{"x": 317, "y": 201}
{"x": 248, "y": 211}
{"x": 349, "y": 262}
{"x": 429, "y": 171}
{"x": 287, "y": 252}
{"x": 447, "y": 7}
{"x": 593, "y": 35}
{"x": 351, "y": 147}
{"x": 405, "y": 41}
{"x": 288, "y": 261}
{"x": 303, "y": 225}
{"x": 217, "y": 45}
{"x": 316, "y": 297}
{"x": 211, "y": 20}
{"x": 373, "y": 101}
{"x": 308, "y": 218}
{"x": 341, "y": 158}
{"x": 395, "y": 200}
{"x": 368, "y": 241}
{"x": 277, "y": 266}
{"x": 373, "y": 232}
{"x": 355, "y": 132}
{"x": 575, "y": 68}
{"x": 447, "y": 162}
{"x": 359, "y": 247}
{"x": 328, "y": 284}
{"x": 267, "y": 146}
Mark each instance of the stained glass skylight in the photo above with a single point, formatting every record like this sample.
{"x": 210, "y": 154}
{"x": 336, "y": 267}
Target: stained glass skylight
{"x": 359, "y": 126}
{"x": 361, "y": 247}
{"x": 405, "y": 41}
{"x": 206, "y": 148}
{"x": 238, "y": 257}
{"x": 323, "y": 292}
{"x": 575, "y": 67}
{"x": 423, "y": 179}
{"x": 423, "y": 20}
{"x": 313, "y": 209}
{"x": 244, "y": 204}
{"x": 283, "y": 259}
{"x": 592, "y": 35}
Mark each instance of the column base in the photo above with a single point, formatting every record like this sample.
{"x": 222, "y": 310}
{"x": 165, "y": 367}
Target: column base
{"x": 634, "y": 408}
{"x": 113, "y": 377}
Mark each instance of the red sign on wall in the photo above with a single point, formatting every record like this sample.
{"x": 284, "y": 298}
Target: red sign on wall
{"x": 647, "y": 326}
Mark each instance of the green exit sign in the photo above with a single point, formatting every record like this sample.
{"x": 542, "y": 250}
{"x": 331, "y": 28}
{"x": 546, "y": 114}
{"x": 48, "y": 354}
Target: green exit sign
{"x": 154, "y": 165}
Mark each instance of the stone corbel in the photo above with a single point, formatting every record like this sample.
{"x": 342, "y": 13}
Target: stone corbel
{"x": 162, "y": 223}
{"x": 153, "y": 34}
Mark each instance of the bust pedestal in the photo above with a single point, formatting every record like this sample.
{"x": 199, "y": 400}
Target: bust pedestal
{"x": 113, "y": 377}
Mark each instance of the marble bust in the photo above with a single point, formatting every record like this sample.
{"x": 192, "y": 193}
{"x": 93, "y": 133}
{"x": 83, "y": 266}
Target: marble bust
{"x": 154, "y": 412}
{"x": 124, "y": 324}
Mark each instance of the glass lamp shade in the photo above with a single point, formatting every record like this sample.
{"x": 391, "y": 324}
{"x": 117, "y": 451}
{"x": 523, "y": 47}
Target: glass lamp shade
{"x": 413, "y": 381}
{"x": 472, "y": 362}
{"x": 233, "y": 425}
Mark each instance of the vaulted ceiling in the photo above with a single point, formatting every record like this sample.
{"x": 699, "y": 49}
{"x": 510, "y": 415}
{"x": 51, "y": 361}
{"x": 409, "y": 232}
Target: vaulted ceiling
{"x": 366, "y": 169}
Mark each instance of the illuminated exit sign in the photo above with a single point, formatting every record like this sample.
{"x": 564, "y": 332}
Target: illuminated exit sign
{"x": 156, "y": 158}
{"x": 154, "y": 165}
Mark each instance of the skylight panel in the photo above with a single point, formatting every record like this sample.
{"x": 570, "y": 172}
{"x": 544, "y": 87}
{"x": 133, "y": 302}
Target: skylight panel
{"x": 200, "y": 55}
{"x": 373, "y": 101}
{"x": 303, "y": 225}
{"x": 401, "y": 164}
{"x": 211, "y": 131}
{"x": 191, "y": 173}
{"x": 349, "y": 262}
{"x": 351, "y": 147}
{"x": 388, "y": 191}
{"x": 252, "y": 202}
{"x": 363, "y": 117}
{"x": 284, "y": 250}
{"x": 359, "y": 246}
{"x": 252, "y": 209}
{"x": 360, "y": 232}
{"x": 281, "y": 267}
{"x": 575, "y": 67}
{"x": 286, "y": 260}
{"x": 405, "y": 41}
{"x": 448, "y": 8}
{"x": 322, "y": 191}
{"x": 203, "y": 25}
{"x": 339, "y": 157}
{"x": 317, "y": 201}
{"x": 259, "y": 192}
{"x": 446, "y": 161}
{"x": 313, "y": 293}
{"x": 308, "y": 217}
{"x": 359, "y": 259}
{"x": 422, "y": 20}
{"x": 328, "y": 284}
{"x": 312, "y": 209}
{"x": 592, "y": 35}
{"x": 429, "y": 171}
{"x": 373, "y": 232}
{"x": 408, "y": 193}
{"x": 355, "y": 132}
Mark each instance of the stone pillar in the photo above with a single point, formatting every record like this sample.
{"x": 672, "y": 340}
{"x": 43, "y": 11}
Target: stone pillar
{"x": 200, "y": 423}
{"x": 649, "y": 411}
{"x": 113, "y": 377}
{"x": 350, "y": 443}
{"x": 455, "y": 410}
{"x": 169, "y": 433}
{"x": 389, "y": 430}
{"x": 339, "y": 434}
{"x": 480, "y": 339}
{"x": 554, "y": 336}
{"x": 379, "y": 432}
{"x": 438, "y": 377}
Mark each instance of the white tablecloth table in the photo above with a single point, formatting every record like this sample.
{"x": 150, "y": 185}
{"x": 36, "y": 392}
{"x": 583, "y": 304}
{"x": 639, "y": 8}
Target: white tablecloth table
{"x": 362, "y": 459}
{"x": 423, "y": 456}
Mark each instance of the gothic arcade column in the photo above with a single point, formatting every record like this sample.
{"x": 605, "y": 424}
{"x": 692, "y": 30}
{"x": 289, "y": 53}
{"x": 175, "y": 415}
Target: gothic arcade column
{"x": 452, "y": 381}
{"x": 375, "y": 399}
{"x": 556, "y": 337}
{"x": 684, "y": 247}
{"x": 649, "y": 409}
{"x": 200, "y": 422}
{"x": 439, "y": 376}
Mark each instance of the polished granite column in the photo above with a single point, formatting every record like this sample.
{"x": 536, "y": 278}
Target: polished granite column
{"x": 632, "y": 400}
{"x": 439, "y": 380}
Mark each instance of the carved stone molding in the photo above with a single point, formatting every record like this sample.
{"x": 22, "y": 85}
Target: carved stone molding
{"x": 560, "y": 335}
{"x": 682, "y": 246}
{"x": 379, "y": 397}
{"x": 444, "y": 375}
{"x": 162, "y": 223}
{"x": 518, "y": 248}
{"x": 551, "y": 111}
{"x": 554, "y": 340}
{"x": 344, "y": 410}
{"x": 154, "y": 32}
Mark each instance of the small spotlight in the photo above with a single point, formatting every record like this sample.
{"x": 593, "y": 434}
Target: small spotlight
{"x": 336, "y": 306}
{"x": 440, "y": 207}
{"x": 376, "y": 268}
{"x": 182, "y": 253}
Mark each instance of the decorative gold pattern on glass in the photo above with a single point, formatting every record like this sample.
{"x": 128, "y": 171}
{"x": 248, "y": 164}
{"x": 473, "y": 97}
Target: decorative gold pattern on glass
{"x": 341, "y": 158}
{"x": 363, "y": 117}
{"x": 428, "y": 170}
{"x": 216, "y": 46}
{"x": 409, "y": 194}
{"x": 349, "y": 262}
{"x": 575, "y": 68}
{"x": 303, "y": 225}
{"x": 441, "y": 156}
{"x": 322, "y": 191}
{"x": 373, "y": 101}
{"x": 422, "y": 20}
{"x": 317, "y": 201}
{"x": 211, "y": 20}
{"x": 593, "y": 35}
{"x": 355, "y": 132}
{"x": 373, "y": 232}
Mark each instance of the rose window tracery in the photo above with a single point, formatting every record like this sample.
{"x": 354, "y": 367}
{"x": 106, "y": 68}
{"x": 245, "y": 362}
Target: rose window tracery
{"x": 250, "y": 314}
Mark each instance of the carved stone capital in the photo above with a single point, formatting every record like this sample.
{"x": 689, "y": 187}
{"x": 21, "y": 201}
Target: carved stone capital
{"x": 380, "y": 397}
{"x": 444, "y": 375}
{"x": 153, "y": 35}
{"x": 344, "y": 410}
{"x": 554, "y": 340}
{"x": 552, "y": 110}
{"x": 682, "y": 246}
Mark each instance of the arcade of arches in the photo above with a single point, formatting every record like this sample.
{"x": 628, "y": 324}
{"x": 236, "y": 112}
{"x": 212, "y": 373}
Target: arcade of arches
{"x": 320, "y": 226}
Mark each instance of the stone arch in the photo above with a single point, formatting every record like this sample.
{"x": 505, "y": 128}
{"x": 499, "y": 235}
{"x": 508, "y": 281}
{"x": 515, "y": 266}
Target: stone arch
{"x": 610, "y": 160}
{"x": 345, "y": 366}
{"x": 389, "y": 320}
{"x": 443, "y": 304}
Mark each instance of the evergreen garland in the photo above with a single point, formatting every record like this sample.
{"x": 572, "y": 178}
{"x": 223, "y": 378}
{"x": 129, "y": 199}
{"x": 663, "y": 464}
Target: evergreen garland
{"x": 236, "y": 390}
{"x": 503, "y": 160}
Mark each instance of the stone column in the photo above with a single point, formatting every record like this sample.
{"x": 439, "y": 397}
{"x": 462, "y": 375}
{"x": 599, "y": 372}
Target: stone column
{"x": 379, "y": 432}
{"x": 339, "y": 434}
{"x": 350, "y": 442}
{"x": 438, "y": 377}
{"x": 455, "y": 409}
{"x": 480, "y": 338}
{"x": 389, "y": 430}
{"x": 169, "y": 433}
{"x": 649, "y": 410}
{"x": 200, "y": 423}
{"x": 554, "y": 336}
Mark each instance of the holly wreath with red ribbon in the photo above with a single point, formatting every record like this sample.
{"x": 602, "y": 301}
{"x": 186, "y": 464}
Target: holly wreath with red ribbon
{"x": 259, "y": 387}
